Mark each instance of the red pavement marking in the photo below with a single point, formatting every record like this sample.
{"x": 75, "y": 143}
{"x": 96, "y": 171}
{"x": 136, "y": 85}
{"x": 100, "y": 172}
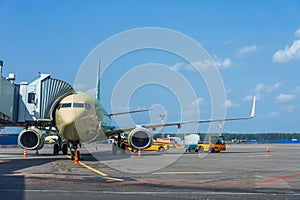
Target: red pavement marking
{"x": 171, "y": 183}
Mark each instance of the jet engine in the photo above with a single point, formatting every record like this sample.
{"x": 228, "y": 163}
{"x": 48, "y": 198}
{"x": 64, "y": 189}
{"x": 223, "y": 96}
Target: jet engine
{"x": 31, "y": 139}
{"x": 140, "y": 138}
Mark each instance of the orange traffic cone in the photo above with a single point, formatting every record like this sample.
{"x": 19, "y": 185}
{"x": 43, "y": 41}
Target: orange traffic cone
{"x": 134, "y": 151}
{"x": 37, "y": 152}
{"x": 139, "y": 153}
{"x": 76, "y": 158}
{"x": 25, "y": 153}
{"x": 268, "y": 150}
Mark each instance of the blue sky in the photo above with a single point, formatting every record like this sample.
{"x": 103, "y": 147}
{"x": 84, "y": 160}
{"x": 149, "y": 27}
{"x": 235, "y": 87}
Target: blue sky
{"x": 255, "y": 44}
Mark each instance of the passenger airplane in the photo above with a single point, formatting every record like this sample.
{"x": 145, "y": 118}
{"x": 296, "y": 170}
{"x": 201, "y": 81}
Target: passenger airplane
{"x": 80, "y": 118}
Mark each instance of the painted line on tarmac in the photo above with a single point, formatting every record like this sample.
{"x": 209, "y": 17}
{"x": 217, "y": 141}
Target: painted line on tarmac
{"x": 278, "y": 179}
{"x": 148, "y": 192}
{"x": 153, "y": 192}
{"x": 97, "y": 171}
{"x": 208, "y": 182}
{"x": 172, "y": 173}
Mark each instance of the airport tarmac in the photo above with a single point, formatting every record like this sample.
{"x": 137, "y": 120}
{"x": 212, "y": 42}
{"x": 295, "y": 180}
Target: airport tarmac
{"x": 244, "y": 171}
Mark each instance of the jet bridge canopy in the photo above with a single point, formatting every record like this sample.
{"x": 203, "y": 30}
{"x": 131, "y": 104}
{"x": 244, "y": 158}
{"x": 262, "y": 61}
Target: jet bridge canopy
{"x": 39, "y": 98}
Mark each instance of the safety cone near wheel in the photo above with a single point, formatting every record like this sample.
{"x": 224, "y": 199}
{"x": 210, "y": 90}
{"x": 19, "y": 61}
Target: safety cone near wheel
{"x": 267, "y": 150}
{"x": 25, "y": 153}
{"x": 76, "y": 161}
{"x": 139, "y": 153}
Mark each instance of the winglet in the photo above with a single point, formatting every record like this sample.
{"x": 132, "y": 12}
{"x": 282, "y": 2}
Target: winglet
{"x": 98, "y": 81}
{"x": 253, "y": 107}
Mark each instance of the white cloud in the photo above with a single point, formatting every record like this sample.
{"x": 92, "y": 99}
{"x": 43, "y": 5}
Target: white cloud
{"x": 229, "y": 104}
{"x": 261, "y": 87}
{"x": 203, "y": 65}
{"x": 288, "y": 54}
{"x": 296, "y": 90}
{"x": 229, "y": 41}
{"x": 198, "y": 102}
{"x": 273, "y": 114}
{"x": 222, "y": 64}
{"x": 247, "y": 50}
{"x": 284, "y": 97}
{"x": 248, "y": 97}
{"x": 291, "y": 108}
{"x": 272, "y": 88}
{"x": 297, "y": 33}
{"x": 260, "y": 90}
{"x": 183, "y": 66}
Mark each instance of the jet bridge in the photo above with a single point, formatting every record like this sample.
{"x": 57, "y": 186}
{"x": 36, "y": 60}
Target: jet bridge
{"x": 38, "y": 99}
{"x": 28, "y": 103}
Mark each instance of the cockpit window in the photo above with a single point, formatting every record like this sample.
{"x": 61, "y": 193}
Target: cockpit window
{"x": 66, "y": 105}
{"x": 75, "y": 105}
{"x": 88, "y": 106}
{"x": 78, "y": 105}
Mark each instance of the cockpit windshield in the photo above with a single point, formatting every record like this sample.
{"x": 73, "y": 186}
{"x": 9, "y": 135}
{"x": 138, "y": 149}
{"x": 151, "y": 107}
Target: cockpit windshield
{"x": 87, "y": 106}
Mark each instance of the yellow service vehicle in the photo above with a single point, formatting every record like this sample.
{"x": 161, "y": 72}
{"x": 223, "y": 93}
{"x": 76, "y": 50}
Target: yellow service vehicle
{"x": 156, "y": 146}
{"x": 215, "y": 144}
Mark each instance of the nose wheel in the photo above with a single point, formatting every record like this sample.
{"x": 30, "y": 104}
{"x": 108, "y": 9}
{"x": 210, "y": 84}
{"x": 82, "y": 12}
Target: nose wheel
{"x": 73, "y": 150}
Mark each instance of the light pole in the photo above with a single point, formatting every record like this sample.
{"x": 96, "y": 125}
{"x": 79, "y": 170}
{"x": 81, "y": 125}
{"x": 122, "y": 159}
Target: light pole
{"x": 162, "y": 116}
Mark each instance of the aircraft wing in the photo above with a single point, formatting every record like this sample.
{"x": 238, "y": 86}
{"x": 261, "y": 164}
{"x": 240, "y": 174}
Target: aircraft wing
{"x": 129, "y": 112}
{"x": 179, "y": 124}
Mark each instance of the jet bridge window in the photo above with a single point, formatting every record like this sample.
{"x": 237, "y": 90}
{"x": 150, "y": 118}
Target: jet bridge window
{"x": 31, "y": 98}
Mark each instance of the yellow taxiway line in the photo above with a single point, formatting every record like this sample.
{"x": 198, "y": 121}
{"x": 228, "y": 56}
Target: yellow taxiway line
{"x": 97, "y": 171}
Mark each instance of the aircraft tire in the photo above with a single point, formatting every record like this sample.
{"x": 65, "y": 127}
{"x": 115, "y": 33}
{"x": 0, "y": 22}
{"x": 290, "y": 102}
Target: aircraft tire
{"x": 55, "y": 149}
{"x": 161, "y": 149}
{"x": 65, "y": 149}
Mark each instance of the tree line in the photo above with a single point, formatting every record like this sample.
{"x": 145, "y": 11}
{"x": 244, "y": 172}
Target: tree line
{"x": 243, "y": 136}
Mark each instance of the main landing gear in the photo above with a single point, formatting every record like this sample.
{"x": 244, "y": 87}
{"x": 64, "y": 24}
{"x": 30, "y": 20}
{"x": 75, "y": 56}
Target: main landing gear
{"x": 60, "y": 146}
{"x": 63, "y": 146}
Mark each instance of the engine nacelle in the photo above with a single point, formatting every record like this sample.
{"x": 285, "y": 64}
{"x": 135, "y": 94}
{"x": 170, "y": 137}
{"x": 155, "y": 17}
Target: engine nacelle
{"x": 140, "y": 138}
{"x": 31, "y": 139}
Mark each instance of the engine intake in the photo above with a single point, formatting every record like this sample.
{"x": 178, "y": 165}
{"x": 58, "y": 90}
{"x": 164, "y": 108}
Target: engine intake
{"x": 140, "y": 138}
{"x": 31, "y": 139}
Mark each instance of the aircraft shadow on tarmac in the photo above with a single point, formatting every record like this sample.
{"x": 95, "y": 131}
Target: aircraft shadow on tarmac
{"x": 12, "y": 185}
